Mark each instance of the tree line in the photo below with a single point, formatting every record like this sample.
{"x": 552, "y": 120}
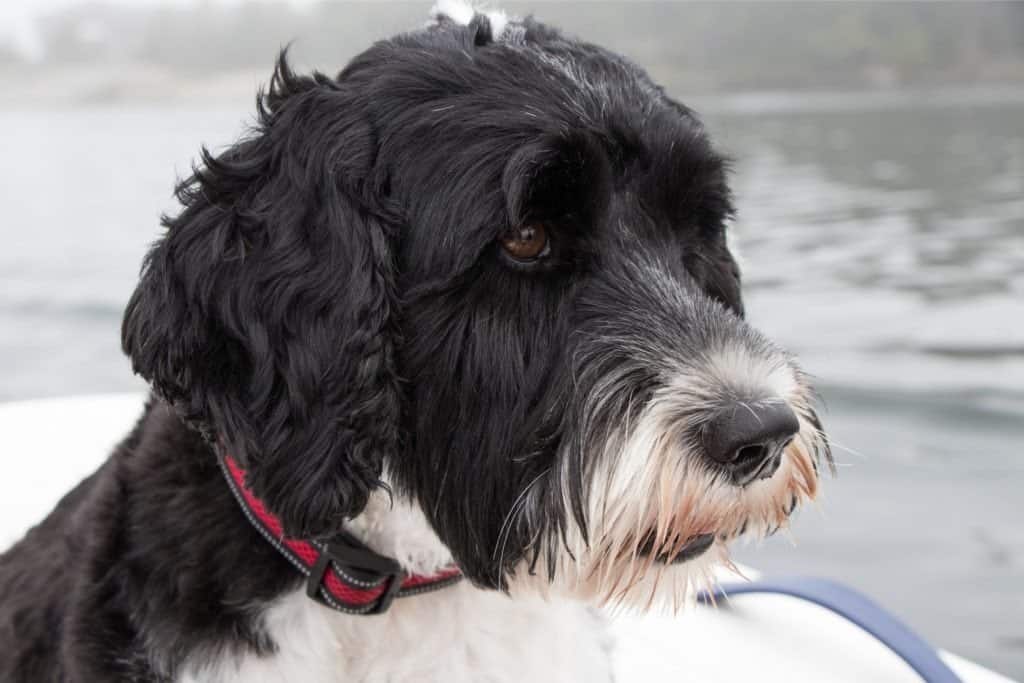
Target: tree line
{"x": 705, "y": 45}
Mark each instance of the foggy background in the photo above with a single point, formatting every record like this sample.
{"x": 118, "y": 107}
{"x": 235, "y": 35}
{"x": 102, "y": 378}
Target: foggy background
{"x": 880, "y": 179}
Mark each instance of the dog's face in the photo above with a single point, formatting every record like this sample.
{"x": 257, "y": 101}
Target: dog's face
{"x": 490, "y": 262}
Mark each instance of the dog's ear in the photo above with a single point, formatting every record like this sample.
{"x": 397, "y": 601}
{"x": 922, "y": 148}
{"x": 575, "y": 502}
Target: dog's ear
{"x": 265, "y": 313}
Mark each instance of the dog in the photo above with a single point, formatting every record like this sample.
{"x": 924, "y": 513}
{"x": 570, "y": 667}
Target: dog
{"x": 445, "y": 355}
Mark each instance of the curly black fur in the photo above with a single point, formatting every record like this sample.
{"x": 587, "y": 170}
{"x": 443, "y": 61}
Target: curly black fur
{"x": 265, "y": 316}
{"x": 332, "y": 303}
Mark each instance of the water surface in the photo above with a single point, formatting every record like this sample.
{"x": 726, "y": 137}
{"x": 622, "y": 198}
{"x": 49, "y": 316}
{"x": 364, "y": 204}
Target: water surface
{"x": 883, "y": 241}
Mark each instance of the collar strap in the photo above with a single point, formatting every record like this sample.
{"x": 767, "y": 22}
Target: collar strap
{"x": 342, "y": 572}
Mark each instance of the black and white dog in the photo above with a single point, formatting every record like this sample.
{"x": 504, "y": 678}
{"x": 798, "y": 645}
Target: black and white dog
{"x": 467, "y": 307}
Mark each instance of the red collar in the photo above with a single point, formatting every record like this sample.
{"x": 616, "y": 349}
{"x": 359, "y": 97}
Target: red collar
{"x": 342, "y": 572}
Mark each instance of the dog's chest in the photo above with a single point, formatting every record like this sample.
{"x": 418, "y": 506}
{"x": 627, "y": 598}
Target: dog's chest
{"x": 459, "y": 634}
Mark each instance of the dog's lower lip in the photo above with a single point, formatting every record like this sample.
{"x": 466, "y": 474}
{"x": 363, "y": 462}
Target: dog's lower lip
{"x": 695, "y": 547}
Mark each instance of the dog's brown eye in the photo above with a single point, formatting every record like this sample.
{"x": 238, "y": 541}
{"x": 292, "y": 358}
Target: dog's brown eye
{"x": 526, "y": 242}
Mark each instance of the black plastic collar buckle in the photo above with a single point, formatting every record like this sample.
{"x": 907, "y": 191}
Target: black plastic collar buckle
{"x": 390, "y": 593}
{"x": 364, "y": 564}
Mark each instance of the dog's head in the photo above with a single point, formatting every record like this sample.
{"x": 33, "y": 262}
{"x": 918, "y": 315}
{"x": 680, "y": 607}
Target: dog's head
{"x": 490, "y": 261}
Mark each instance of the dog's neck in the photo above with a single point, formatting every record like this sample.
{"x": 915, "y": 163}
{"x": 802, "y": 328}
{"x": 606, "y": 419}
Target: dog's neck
{"x": 265, "y": 627}
{"x": 396, "y": 527}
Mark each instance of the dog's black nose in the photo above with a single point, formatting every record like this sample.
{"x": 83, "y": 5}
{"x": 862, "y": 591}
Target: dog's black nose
{"x": 748, "y": 439}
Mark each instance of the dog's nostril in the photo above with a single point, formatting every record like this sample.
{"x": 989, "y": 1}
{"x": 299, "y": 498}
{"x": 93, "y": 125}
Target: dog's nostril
{"x": 748, "y": 441}
{"x": 750, "y": 454}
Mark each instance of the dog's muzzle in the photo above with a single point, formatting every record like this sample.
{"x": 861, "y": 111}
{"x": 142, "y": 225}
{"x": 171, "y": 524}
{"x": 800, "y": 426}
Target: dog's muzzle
{"x": 688, "y": 429}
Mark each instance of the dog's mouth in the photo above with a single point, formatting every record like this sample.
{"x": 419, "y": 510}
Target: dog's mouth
{"x": 694, "y": 547}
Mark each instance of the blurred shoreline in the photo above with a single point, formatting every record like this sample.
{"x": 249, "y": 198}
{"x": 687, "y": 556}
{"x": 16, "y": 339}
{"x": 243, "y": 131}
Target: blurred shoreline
{"x": 112, "y": 51}
{"x": 59, "y": 86}
{"x": 84, "y": 85}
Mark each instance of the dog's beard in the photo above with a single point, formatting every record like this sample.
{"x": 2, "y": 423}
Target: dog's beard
{"x": 657, "y": 518}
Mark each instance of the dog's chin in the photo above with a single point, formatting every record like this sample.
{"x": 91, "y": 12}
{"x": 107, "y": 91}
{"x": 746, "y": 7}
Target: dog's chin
{"x": 656, "y": 583}
{"x": 752, "y": 525}
{"x": 692, "y": 548}
{"x": 665, "y": 566}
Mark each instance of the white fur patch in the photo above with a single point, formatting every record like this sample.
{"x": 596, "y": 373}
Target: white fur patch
{"x": 398, "y": 528}
{"x": 458, "y": 634}
{"x": 735, "y": 369}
